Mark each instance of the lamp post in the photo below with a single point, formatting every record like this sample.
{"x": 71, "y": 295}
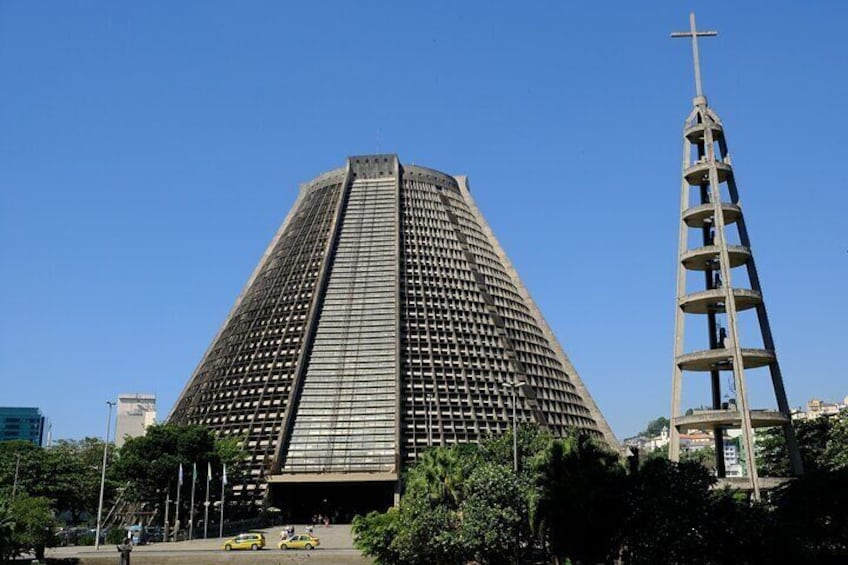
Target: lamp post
{"x": 429, "y": 398}
{"x": 103, "y": 476}
{"x": 514, "y": 386}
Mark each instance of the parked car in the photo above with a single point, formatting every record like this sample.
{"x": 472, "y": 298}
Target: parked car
{"x": 155, "y": 534}
{"x": 300, "y": 541}
{"x": 247, "y": 540}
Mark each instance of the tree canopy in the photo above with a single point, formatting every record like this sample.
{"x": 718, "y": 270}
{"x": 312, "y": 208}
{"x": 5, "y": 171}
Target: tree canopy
{"x": 67, "y": 474}
{"x": 148, "y": 465}
{"x": 573, "y": 501}
{"x": 822, "y": 441}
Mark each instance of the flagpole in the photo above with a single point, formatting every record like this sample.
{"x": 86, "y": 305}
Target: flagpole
{"x": 177, "y": 511}
{"x": 167, "y": 507}
{"x": 206, "y": 504}
{"x": 191, "y": 509}
{"x": 223, "y": 483}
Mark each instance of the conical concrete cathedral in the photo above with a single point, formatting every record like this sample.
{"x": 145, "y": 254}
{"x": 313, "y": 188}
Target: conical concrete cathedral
{"x": 383, "y": 318}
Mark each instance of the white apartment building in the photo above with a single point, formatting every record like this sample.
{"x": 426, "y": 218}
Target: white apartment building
{"x": 135, "y": 413}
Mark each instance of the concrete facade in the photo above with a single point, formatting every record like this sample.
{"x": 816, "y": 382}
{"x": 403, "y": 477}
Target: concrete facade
{"x": 383, "y": 319}
{"x": 135, "y": 412}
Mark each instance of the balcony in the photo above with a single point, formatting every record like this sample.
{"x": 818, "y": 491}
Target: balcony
{"x": 713, "y": 301}
{"x": 712, "y": 419}
{"x": 696, "y": 133}
{"x": 706, "y": 258}
{"x": 697, "y": 216}
{"x": 720, "y": 359}
{"x": 699, "y": 173}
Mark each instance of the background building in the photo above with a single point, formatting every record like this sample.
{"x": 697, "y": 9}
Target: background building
{"x": 22, "y": 423}
{"x": 383, "y": 318}
{"x": 817, "y": 408}
{"x": 135, "y": 412}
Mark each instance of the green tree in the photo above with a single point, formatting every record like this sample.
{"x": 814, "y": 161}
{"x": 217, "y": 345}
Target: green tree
{"x": 28, "y": 459}
{"x": 836, "y": 449}
{"x": 149, "y": 464}
{"x": 34, "y": 524}
{"x": 461, "y": 503}
{"x": 579, "y": 503}
{"x": 667, "y": 503}
{"x": 374, "y": 533}
{"x": 74, "y": 471}
{"x": 494, "y": 523}
{"x": 811, "y": 518}
{"x": 7, "y": 530}
{"x": 427, "y": 532}
{"x": 654, "y": 427}
{"x": 441, "y": 473}
{"x": 822, "y": 442}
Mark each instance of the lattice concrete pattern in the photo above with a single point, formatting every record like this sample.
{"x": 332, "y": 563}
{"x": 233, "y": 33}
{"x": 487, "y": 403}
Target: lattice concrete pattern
{"x": 383, "y": 318}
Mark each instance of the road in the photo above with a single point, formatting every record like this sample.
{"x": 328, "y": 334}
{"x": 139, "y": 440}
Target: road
{"x": 336, "y": 548}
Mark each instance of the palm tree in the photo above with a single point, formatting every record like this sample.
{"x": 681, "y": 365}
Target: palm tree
{"x": 441, "y": 473}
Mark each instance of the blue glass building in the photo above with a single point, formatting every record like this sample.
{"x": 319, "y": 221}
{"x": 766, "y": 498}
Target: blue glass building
{"x": 21, "y": 423}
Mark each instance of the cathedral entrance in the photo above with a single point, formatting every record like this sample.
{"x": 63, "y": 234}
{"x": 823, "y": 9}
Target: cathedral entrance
{"x": 337, "y": 500}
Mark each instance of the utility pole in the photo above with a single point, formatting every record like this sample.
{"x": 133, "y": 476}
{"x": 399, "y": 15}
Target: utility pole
{"x": 103, "y": 475}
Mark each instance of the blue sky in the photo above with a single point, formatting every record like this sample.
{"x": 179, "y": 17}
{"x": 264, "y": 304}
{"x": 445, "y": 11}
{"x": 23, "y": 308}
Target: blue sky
{"x": 150, "y": 150}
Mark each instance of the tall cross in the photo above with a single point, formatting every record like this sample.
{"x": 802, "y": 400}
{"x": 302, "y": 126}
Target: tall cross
{"x": 695, "y": 34}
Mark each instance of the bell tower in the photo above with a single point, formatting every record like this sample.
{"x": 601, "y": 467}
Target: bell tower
{"x": 714, "y": 241}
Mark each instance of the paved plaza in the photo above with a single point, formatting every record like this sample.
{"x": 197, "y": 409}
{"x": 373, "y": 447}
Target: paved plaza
{"x": 336, "y": 547}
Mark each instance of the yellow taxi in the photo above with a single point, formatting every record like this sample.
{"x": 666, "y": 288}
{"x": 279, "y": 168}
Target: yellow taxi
{"x": 248, "y": 540}
{"x": 300, "y": 541}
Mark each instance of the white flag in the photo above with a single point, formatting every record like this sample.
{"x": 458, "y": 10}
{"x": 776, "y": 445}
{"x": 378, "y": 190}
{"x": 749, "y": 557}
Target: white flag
{"x": 224, "y": 480}
{"x": 180, "y": 477}
{"x": 208, "y": 472}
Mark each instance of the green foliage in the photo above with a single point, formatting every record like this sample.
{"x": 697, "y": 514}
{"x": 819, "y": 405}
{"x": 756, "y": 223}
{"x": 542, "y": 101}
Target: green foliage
{"x": 579, "y": 498}
{"x": 441, "y": 472}
{"x": 149, "y": 464}
{"x": 836, "y": 448}
{"x": 822, "y": 441}
{"x": 462, "y": 504}
{"x": 427, "y": 532}
{"x": 658, "y": 453}
{"x": 666, "y": 504}
{"x": 116, "y": 536}
{"x": 811, "y": 518}
{"x": 68, "y": 474}
{"x": 33, "y": 525}
{"x": 31, "y": 469}
{"x": 374, "y": 534}
{"x": 7, "y": 530}
{"x": 655, "y": 427}
{"x": 494, "y": 515}
{"x": 74, "y": 468}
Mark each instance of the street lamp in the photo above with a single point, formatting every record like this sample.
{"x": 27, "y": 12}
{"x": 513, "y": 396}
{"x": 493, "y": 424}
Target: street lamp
{"x": 514, "y": 386}
{"x": 103, "y": 475}
{"x": 429, "y": 398}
